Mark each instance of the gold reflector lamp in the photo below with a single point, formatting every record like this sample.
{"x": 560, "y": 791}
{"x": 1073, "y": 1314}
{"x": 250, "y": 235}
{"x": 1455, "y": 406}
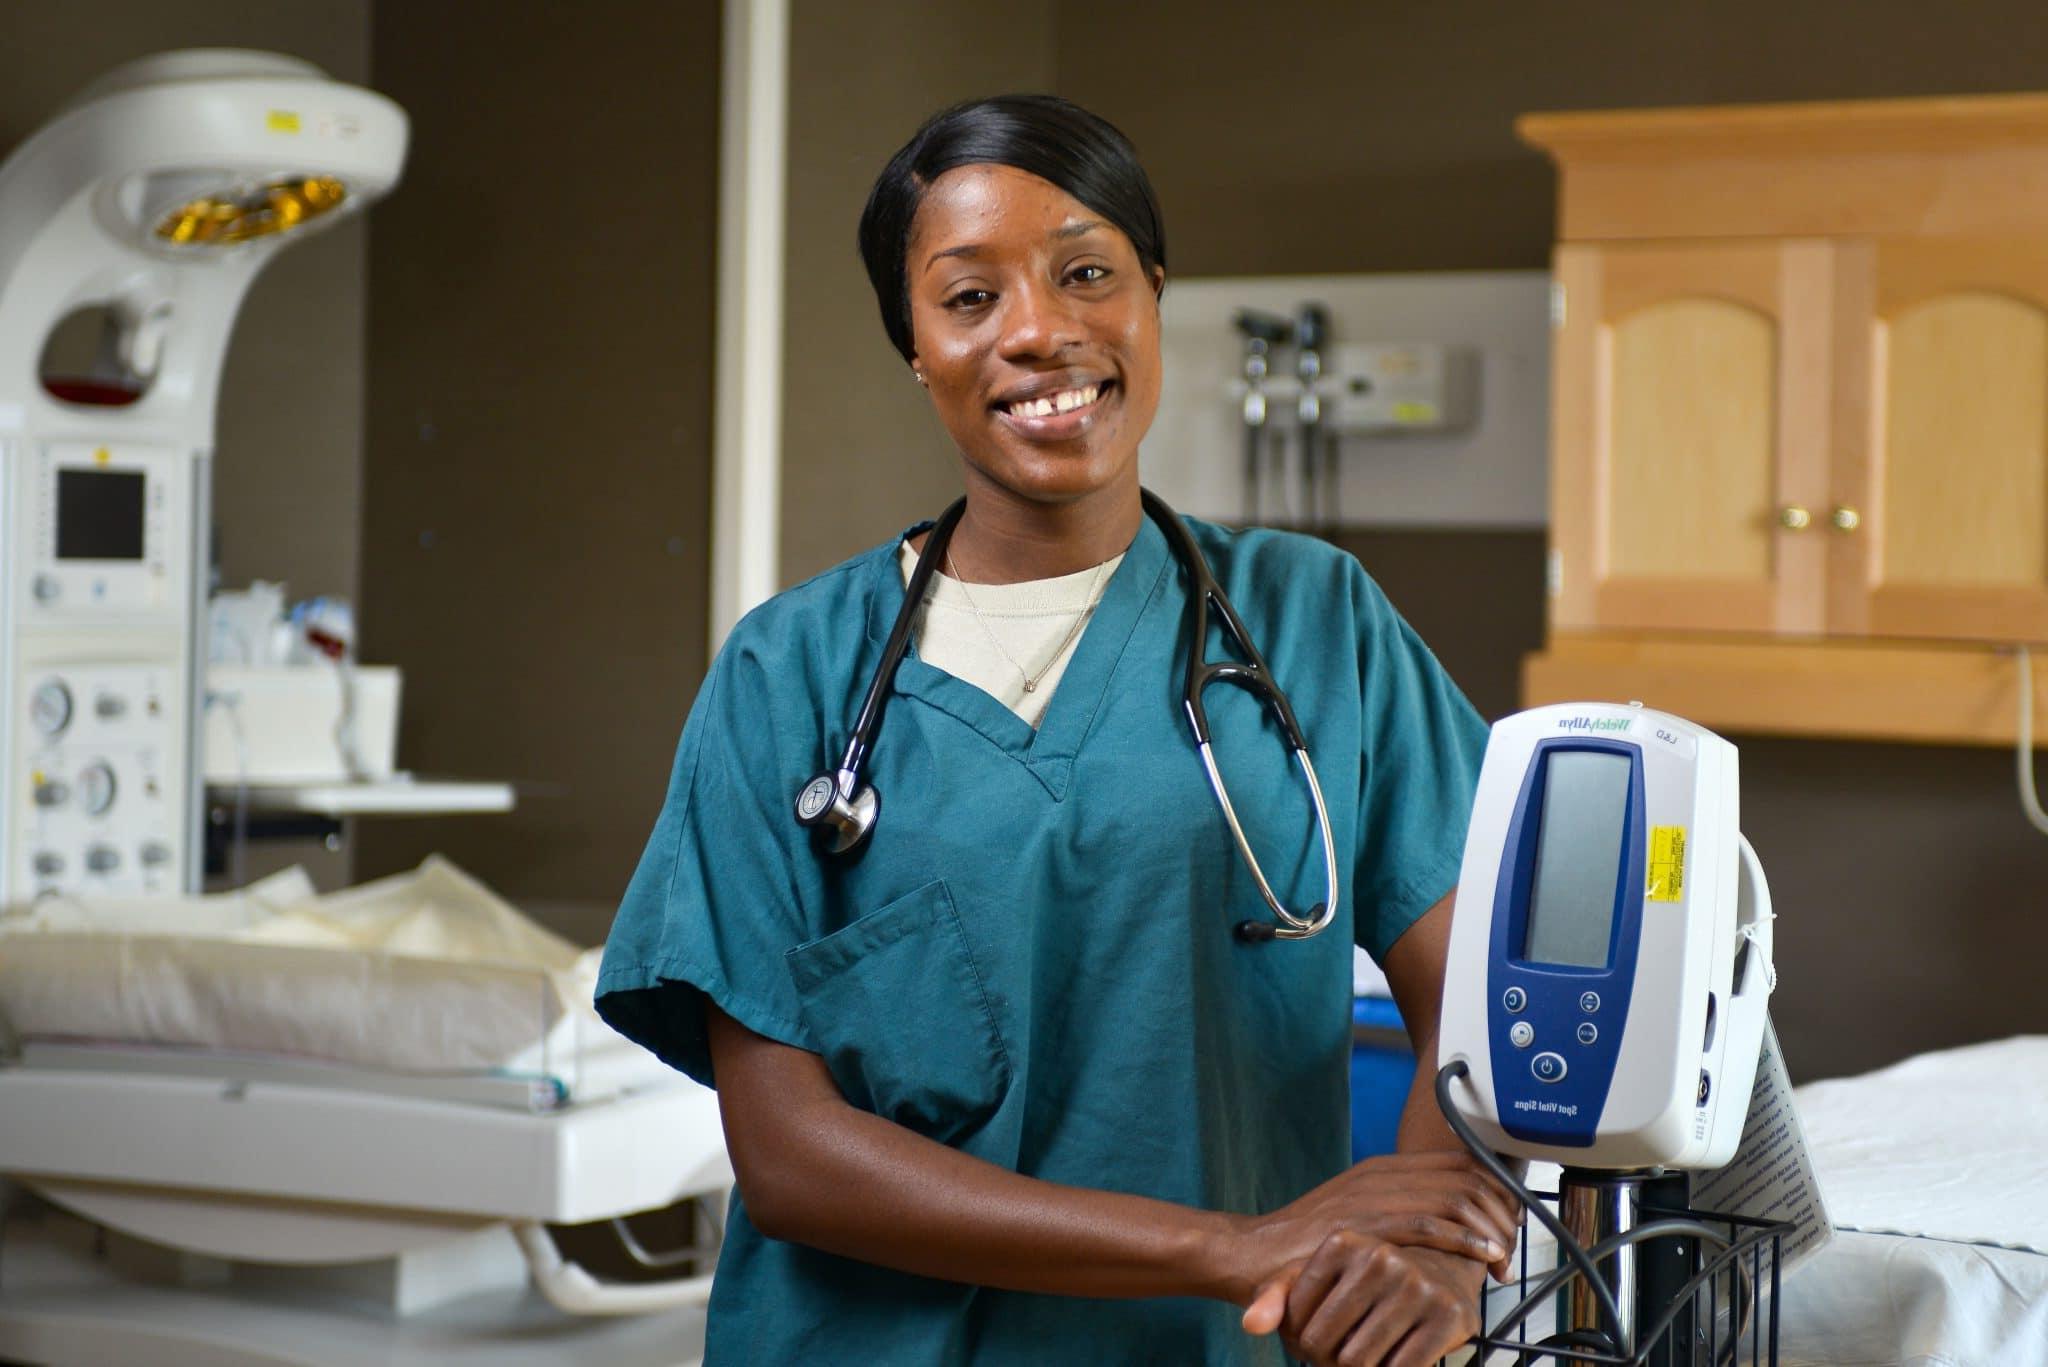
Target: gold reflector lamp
{"x": 277, "y": 206}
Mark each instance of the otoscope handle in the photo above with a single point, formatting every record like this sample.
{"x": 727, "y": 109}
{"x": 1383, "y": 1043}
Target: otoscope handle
{"x": 1312, "y": 327}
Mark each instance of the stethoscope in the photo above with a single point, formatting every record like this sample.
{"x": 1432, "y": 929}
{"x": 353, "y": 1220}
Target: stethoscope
{"x": 840, "y": 809}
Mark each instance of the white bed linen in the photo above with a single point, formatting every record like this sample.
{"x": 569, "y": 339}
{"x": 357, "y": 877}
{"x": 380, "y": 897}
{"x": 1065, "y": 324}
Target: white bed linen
{"x": 1936, "y": 1176}
{"x": 426, "y": 972}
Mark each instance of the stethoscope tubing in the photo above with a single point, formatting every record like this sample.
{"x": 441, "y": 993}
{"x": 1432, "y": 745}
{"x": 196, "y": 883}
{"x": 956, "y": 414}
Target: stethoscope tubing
{"x": 841, "y": 810}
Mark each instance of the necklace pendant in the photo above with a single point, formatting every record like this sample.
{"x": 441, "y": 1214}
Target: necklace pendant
{"x": 1030, "y": 686}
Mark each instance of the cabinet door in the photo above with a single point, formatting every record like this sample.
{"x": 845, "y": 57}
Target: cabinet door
{"x": 1944, "y": 484}
{"x": 1689, "y": 415}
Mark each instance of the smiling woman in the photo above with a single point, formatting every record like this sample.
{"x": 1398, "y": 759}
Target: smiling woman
{"x": 999, "y": 1082}
{"x": 1016, "y": 251}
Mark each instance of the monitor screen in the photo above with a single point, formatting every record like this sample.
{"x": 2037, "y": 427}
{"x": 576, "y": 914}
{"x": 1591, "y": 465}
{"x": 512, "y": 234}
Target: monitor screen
{"x": 99, "y": 514}
{"x": 1578, "y": 858}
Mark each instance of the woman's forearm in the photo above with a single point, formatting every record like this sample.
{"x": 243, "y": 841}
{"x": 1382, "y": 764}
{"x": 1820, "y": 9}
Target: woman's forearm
{"x": 817, "y": 1171}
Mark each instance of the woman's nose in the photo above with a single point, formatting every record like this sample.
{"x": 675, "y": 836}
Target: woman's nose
{"x": 1039, "y": 322}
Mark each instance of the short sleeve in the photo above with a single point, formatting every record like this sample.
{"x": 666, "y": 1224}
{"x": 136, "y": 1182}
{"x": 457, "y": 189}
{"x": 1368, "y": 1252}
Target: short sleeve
{"x": 715, "y": 902}
{"x": 1422, "y": 745}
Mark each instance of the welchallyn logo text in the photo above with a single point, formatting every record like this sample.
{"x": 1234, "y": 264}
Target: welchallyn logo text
{"x": 1595, "y": 723}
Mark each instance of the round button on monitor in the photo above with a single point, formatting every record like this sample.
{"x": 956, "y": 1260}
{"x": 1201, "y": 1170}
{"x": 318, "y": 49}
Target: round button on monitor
{"x": 1514, "y": 999}
{"x": 1547, "y": 1067}
{"x": 1588, "y": 1032}
{"x": 1522, "y": 1034}
{"x": 1589, "y": 1002}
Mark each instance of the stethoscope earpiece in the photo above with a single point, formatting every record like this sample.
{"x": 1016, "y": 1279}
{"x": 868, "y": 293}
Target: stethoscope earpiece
{"x": 1257, "y": 932}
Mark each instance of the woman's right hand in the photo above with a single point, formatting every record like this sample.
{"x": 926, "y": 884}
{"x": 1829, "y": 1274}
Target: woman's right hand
{"x": 1440, "y": 1200}
{"x": 1329, "y": 1272}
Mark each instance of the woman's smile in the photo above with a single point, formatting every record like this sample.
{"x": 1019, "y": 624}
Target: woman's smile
{"x": 1060, "y": 412}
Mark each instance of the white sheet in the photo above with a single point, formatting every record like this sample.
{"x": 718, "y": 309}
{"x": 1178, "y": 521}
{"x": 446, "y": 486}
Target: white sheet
{"x": 1950, "y": 1145}
{"x": 1872, "y": 1300}
{"x": 1936, "y": 1173}
{"x": 425, "y": 972}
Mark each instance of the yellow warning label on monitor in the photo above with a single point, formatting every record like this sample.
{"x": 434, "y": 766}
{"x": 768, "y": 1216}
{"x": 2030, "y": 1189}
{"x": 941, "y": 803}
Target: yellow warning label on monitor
{"x": 282, "y": 121}
{"x": 1667, "y": 864}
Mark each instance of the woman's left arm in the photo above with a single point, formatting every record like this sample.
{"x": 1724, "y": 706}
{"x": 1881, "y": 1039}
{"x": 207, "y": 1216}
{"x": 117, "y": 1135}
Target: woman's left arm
{"x": 1415, "y": 970}
{"x": 1328, "y": 1305}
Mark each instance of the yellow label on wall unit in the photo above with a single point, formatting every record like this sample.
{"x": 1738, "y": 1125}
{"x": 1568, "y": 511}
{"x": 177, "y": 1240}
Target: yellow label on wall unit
{"x": 1667, "y": 864}
{"x": 282, "y": 121}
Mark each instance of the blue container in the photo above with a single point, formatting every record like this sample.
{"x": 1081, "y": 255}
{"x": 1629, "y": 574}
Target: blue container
{"x": 1382, "y": 1070}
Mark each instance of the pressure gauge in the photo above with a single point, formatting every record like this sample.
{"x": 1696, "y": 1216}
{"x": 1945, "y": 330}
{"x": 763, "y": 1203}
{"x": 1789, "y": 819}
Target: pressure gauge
{"x": 50, "y": 707}
{"x": 96, "y": 789}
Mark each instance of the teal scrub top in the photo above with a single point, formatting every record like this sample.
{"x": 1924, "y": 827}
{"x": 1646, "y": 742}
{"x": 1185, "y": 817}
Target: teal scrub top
{"x": 1033, "y": 959}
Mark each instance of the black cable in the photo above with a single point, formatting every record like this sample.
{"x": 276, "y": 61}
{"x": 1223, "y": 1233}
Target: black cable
{"x": 1559, "y": 1277}
{"x": 1584, "y": 1262}
{"x": 1566, "y": 1244}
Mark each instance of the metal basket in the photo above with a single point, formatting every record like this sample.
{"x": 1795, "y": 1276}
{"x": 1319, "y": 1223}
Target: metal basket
{"x": 1693, "y": 1304}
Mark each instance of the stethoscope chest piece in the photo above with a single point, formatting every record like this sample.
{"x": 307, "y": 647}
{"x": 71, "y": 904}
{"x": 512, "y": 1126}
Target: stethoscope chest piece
{"x": 837, "y": 821}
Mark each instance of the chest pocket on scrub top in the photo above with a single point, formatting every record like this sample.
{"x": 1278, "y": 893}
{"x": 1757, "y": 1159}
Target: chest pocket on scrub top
{"x": 897, "y": 1007}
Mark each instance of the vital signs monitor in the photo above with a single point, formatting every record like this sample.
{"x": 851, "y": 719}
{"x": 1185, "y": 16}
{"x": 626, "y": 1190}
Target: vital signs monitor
{"x": 1610, "y": 951}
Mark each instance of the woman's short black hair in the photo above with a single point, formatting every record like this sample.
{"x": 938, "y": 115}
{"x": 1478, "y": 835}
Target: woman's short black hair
{"x": 1048, "y": 137}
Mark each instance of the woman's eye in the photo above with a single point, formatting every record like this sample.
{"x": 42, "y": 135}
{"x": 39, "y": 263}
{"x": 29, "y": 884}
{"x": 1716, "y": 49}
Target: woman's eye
{"x": 1088, "y": 275}
{"x": 969, "y": 299}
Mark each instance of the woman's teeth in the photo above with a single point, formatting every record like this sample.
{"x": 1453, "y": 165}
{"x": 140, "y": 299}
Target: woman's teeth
{"x": 1066, "y": 401}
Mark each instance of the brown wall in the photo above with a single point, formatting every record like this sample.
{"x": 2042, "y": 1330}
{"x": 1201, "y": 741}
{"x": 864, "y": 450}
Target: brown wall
{"x": 1382, "y": 142}
{"x": 1309, "y": 136}
{"x": 536, "y": 502}
{"x": 863, "y": 454}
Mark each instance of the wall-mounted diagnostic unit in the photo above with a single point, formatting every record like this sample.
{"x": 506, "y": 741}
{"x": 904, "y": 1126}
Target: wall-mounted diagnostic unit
{"x": 145, "y": 208}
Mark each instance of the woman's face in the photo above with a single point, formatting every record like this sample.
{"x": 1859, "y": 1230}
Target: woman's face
{"x": 1036, "y": 331}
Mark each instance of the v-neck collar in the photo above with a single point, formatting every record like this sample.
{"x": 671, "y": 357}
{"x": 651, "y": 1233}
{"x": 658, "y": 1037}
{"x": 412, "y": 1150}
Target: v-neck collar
{"x": 1048, "y": 752}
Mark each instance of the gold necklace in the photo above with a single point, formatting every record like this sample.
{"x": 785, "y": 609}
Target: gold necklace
{"x": 1031, "y": 681}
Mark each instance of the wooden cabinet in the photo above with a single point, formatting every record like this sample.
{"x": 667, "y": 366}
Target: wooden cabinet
{"x": 1800, "y": 412}
{"x": 1683, "y": 421}
{"x": 1945, "y": 370}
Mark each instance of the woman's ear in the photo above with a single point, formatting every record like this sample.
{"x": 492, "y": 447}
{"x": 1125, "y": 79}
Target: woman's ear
{"x": 1158, "y": 282}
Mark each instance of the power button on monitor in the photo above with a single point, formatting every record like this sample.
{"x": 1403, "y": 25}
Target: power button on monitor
{"x": 1547, "y": 1067}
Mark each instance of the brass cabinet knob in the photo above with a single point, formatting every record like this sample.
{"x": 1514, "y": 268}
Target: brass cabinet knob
{"x": 1794, "y": 518}
{"x": 1846, "y": 519}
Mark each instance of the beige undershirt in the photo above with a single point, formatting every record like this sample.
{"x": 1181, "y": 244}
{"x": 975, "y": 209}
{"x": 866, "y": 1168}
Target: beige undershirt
{"x": 1031, "y": 618}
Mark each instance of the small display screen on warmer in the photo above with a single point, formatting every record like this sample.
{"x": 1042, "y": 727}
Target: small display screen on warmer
{"x": 1578, "y": 858}
{"x": 99, "y": 514}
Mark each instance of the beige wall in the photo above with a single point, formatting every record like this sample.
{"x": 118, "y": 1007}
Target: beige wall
{"x": 863, "y": 454}
{"x": 536, "y": 503}
{"x": 288, "y": 460}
